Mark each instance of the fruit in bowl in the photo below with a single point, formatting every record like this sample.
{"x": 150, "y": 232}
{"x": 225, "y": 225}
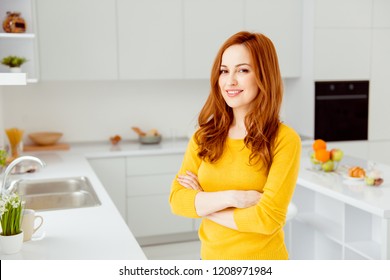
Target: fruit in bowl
{"x": 323, "y": 159}
{"x": 356, "y": 172}
{"x": 373, "y": 178}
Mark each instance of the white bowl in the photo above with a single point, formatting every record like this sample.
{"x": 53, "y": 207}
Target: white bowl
{"x": 150, "y": 139}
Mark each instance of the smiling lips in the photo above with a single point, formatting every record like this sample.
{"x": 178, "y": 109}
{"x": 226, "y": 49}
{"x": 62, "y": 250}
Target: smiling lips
{"x": 233, "y": 93}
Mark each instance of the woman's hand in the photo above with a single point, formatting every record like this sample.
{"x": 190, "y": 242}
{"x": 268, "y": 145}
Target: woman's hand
{"x": 244, "y": 199}
{"x": 189, "y": 181}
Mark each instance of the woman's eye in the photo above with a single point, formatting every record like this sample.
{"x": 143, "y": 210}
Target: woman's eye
{"x": 243, "y": 70}
{"x": 223, "y": 71}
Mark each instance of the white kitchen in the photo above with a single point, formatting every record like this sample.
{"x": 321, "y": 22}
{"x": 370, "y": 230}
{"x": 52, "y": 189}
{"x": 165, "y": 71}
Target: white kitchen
{"x": 97, "y": 69}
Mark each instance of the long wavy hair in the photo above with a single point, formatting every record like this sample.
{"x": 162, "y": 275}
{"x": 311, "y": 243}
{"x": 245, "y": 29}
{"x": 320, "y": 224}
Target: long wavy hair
{"x": 262, "y": 121}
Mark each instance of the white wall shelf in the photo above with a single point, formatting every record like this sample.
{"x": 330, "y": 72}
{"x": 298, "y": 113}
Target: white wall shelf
{"x": 17, "y": 35}
{"x": 10, "y": 79}
{"x": 324, "y": 225}
{"x": 21, "y": 44}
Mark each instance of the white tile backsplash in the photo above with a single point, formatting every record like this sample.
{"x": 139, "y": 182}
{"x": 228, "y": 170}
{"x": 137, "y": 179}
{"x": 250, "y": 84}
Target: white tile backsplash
{"x": 93, "y": 111}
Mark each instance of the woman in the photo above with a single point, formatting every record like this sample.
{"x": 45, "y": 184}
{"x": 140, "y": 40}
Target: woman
{"x": 241, "y": 165}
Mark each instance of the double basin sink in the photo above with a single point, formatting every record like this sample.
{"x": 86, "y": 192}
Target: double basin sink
{"x": 57, "y": 194}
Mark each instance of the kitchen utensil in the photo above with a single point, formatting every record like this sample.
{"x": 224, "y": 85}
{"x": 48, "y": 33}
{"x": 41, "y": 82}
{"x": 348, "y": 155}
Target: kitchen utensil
{"x": 138, "y": 131}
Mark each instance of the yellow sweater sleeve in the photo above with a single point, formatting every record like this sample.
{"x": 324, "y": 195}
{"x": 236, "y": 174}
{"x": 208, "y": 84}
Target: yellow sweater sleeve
{"x": 269, "y": 214}
{"x": 182, "y": 200}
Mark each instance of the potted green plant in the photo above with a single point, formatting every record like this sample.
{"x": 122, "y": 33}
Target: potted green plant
{"x": 11, "y": 214}
{"x": 13, "y": 62}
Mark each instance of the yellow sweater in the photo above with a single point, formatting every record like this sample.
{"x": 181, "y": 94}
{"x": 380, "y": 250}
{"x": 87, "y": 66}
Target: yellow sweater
{"x": 260, "y": 227}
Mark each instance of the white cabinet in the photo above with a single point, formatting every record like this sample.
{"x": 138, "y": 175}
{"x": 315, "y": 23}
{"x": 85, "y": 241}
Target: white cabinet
{"x": 327, "y": 228}
{"x": 380, "y": 75}
{"x": 342, "y": 54}
{"x": 112, "y": 173}
{"x": 20, "y": 44}
{"x": 342, "y": 46}
{"x": 172, "y": 39}
{"x": 77, "y": 39}
{"x": 380, "y": 13}
{"x": 150, "y": 39}
{"x": 149, "y": 180}
{"x": 343, "y": 14}
{"x": 207, "y": 24}
{"x": 281, "y": 21}
{"x": 379, "y": 98}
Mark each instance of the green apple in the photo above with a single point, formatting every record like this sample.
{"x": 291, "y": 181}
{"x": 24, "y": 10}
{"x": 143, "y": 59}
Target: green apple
{"x": 369, "y": 181}
{"x": 328, "y": 166}
{"x": 313, "y": 158}
{"x": 336, "y": 154}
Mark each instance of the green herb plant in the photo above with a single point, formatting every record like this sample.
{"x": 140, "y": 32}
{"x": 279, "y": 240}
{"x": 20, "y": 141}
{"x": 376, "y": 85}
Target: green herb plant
{"x": 11, "y": 208}
{"x": 3, "y": 158}
{"x": 13, "y": 61}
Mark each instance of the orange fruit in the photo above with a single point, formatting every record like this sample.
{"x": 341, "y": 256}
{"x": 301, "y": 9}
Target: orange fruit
{"x": 322, "y": 155}
{"x": 319, "y": 144}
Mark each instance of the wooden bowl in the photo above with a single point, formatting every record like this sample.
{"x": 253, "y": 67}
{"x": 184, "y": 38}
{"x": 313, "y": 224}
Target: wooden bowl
{"x": 45, "y": 138}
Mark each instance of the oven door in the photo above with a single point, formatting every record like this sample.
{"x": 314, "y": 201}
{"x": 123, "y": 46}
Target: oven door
{"x": 341, "y": 111}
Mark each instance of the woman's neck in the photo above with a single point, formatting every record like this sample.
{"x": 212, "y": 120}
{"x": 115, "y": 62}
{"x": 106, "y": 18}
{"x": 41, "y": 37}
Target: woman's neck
{"x": 238, "y": 129}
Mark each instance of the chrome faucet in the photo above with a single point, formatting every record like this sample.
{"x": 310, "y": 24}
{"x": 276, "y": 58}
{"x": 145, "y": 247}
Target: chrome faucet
{"x": 7, "y": 188}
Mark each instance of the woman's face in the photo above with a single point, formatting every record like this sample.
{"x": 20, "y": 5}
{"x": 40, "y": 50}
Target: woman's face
{"x": 237, "y": 79}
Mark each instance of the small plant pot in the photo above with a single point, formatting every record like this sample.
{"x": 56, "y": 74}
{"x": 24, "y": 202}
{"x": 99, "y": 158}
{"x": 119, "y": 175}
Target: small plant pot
{"x": 11, "y": 244}
{"x": 15, "y": 69}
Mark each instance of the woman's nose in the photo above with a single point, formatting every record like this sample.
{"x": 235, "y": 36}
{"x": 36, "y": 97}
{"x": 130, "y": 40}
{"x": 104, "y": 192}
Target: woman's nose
{"x": 232, "y": 81}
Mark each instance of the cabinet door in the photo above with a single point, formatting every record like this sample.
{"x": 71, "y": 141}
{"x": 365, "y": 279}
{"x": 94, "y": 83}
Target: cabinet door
{"x": 281, "y": 21}
{"x": 149, "y": 185}
{"x": 151, "y": 215}
{"x": 150, "y": 39}
{"x": 380, "y": 13}
{"x": 153, "y": 164}
{"x": 342, "y": 40}
{"x": 342, "y": 54}
{"x": 207, "y": 25}
{"x": 77, "y": 39}
{"x": 343, "y": 14}
{"x": 112, "y": 173}
{"x": 379, "y": 86}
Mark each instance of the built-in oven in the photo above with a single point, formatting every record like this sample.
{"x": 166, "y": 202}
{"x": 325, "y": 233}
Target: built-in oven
{"x": 341, "y": 110}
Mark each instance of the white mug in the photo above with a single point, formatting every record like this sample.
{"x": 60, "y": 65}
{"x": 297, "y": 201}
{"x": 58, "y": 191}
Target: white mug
{"x": 28, "y": 223}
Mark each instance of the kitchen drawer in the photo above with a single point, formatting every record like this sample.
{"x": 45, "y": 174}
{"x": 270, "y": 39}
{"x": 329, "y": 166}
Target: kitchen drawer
{"x": 157, "y": 164}
{"x": 151, "y": 215}
{"x": 149, "y": 185}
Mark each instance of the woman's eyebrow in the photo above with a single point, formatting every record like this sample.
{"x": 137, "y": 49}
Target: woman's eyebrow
{"x": 238, "y": 65}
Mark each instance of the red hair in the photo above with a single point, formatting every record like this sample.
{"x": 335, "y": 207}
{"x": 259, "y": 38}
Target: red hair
{"x": 262, "y": 122}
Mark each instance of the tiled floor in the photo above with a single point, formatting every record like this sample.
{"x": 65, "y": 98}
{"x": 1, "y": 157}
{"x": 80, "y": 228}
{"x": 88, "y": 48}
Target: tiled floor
{"x": 174, "y": 251}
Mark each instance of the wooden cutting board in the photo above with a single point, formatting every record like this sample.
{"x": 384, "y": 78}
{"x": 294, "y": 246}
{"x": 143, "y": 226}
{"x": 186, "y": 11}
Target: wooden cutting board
{"x": 55, "y": 147}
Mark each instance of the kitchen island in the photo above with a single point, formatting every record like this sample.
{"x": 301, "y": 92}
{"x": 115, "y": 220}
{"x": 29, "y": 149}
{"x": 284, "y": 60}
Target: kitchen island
{"x": 91, "y": 233}
{"x": 340, "y": 218}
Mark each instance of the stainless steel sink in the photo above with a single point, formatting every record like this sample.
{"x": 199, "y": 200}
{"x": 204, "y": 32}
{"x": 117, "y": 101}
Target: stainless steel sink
{"x": 56, "y": 194}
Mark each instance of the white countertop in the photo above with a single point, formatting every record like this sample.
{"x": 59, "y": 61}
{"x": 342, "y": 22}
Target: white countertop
{"x": 375, "y": 200}
{"x": 94, "y": 232}
{"x": 83, "y": 233}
